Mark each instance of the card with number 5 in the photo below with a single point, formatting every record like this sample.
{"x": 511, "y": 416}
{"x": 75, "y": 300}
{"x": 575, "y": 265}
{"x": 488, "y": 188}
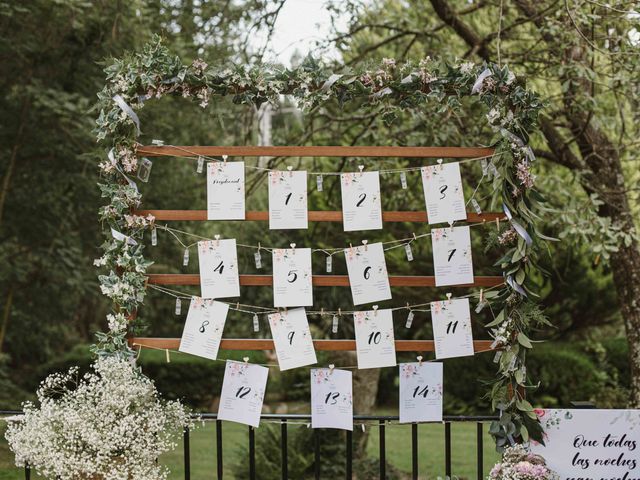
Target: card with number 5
{"x": 292, "y": 277}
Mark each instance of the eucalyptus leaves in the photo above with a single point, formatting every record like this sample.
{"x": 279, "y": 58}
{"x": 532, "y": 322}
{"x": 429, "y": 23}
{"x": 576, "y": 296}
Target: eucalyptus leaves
{"x": 511, "y": 112}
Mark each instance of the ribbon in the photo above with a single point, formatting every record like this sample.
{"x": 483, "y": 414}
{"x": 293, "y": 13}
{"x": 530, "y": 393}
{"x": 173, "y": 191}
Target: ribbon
{"x": 330, "y": 81}
{"x": 513, "y": 284}
{"x": 124, "y": 106}
{"x": 516, "y": 226}
{"x": 480, "y": 80}
{"x": 121, "y": 237}
{"x": 383, "y": 92}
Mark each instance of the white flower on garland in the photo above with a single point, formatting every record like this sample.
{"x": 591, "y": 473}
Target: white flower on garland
{"x": 112, "y": 425}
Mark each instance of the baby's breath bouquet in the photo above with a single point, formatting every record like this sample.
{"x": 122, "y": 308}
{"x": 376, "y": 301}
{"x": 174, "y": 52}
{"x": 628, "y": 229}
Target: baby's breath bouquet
{"x": 108, "y": 424}
{"x": 519, "y": 464}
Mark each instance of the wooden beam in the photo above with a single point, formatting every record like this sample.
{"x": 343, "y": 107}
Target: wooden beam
{"x": 267, "y": 344}
{"x": 314, "y": 151}
{"x": 314, "y": 216}
{"x": 318, "y": 280}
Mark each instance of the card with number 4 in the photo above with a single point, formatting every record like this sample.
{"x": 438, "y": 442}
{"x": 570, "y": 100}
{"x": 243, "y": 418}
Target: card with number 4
{"x": 420, "y": 392}
{"x": 452, "y": 332}
{"x": 242, "y": 394}
{"x": 452, "y": 260}
{"x": 331, "y": 398}
{"x": 218, "y": 261}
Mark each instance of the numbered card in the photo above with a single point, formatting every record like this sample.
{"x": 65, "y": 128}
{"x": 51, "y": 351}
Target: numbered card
{"x": 242, "y": 394}
{"x": 292, "y": 339}
{"x": 420, "y": 392}
{"x": 375, "y": 342}
{"x": 331, "y": 399}
{"x": 288, "y": 200}
{"x": 218, "y": 269}
{"x": 203, "y": 328}
{"x": 292, "y": 277}
{"x": 225, "y": 191}
{"x": 443, "y": 193}
{"x": 452, "y": 328}
{"x": 452, "y": 260}
{"x": 367, "y": 273}
{"x": 361, "y": 208}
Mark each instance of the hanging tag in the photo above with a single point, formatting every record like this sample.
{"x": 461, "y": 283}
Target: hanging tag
{"x": 403, "y": 180}
{"x": 144, "y": 170}
{"x": 258, "y": 258}
{"x": 407, "y": 250}
{"x": 185, "y": 258}
{"x": 494, "y": 170}
{"x": 476, "y": 206}
{"x": 154, "y": 237}
{"x": 329, "y": 263}
{"x": 334, "y": 324}
{"x": 485, "y": 166}
{"x": 319, "y": 180}
{"x": 497, "y": 356}
{"x": 512, "y": 363}
{"x": 256, "y": 323}
{"x": 480, "y": 307}
{"x": 409, "y": 319}
{"x": 200, "y": 164}
{"x": 178, "y": 306}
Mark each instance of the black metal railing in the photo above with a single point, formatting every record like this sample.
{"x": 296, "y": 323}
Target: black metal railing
{"x": 382, "y": 422}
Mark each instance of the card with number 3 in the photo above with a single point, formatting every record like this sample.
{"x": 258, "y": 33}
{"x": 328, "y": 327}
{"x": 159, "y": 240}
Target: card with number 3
{"x": 443, "y": 193}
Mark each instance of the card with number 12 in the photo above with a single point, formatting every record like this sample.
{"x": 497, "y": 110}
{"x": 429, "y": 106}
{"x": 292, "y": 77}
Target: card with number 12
{"x": 242, "y": 394}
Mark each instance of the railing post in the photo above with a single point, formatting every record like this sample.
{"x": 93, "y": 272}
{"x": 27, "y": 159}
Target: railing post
{"x": 219, "y": 448}
{"x": 349, "y": 454}
{"x": 316, "y": 453}
{"x": 383, "y": 451}
{"x": 414, "y": 451}
{"x": 187, "y": 455}
{"x": 27, "y": 472}
{"x": 252, "y": 453}
{"x": 479, "y": 450}
{"x": 283, "y": 443}
{"x": 447, "y": 449}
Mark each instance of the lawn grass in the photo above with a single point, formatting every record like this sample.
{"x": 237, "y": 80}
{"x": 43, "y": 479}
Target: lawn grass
{"x": 398, "y": 443}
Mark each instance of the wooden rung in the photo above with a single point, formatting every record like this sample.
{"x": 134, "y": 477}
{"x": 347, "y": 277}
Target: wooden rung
{"x": 314, "y": 216}
{"x": 266, "y": 344}
{"x": 314, "y": 151}
{"x": 319, "y": 280}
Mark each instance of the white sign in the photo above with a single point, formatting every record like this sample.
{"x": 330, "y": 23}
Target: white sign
{"x": 203, "y": 328}
{"x": 591, "y": 444}
{"x": 242, "y": 394}
{"x": 288, "y": 200}
{"x": 292, "y": 277}
{"x": 420, "y": 392}
{"x": 375, "y": 342}
{"x": 443, "y": 193}
{"x": 452, "y": 328}
{"x": 225, "y": 191}
{"x": 361, "y": 207}
{"x": 368, "y": 276}
{"x": 218, "y": 269}
{"x": 292, "y": 339}
{"x": 331, "y": 399}
{"x": 452, "y": 260}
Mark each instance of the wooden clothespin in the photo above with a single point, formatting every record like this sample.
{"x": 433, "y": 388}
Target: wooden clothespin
{"x": 217, "y": 237}
{"x": 245, "y": 360}
{"x": 375, "y": 310}
{"x": 331, "y": 367}
{"x": 224, "y": 158}
{"x": 166, "y": 351}
{"x": 360, "y": 168}
{"x": 419, "y": 357}
{"x": 414, "y": 236}
{"x": 293, "y": 248}
{"x": 449, "y": 297}
{"x": 364, "y": 242}
{"x": 290, "y": 168}
{"x": 339, "y": 312}
{"x": 481, "y": 295}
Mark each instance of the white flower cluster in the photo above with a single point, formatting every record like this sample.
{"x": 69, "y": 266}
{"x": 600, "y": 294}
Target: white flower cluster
{"x": 117, "y": 322}
{"x": 519, "y": 464}
{"x": 112, "y": 425}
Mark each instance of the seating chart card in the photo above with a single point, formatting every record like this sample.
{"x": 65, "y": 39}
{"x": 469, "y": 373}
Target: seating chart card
{"x": 288, "y": 200}
{"x": 203, "y": 328}
{"x": 452, "y": 260}
{"x": 218, "y": 268}
{"x": 367, "y": 273}
{"x": 242, "y": 394}
{"x": 361, "y": 207}
{"x": 292, "y": 277}
{"x": 225, "y": 191}
{"x": 292, "y": 339}
{"x": 331, "y": 399}
{"x": 375, "y": 342}
{"x": 452, "y": 328}
{"x": 443, "y": 193}
{"x": 420, "y": 392}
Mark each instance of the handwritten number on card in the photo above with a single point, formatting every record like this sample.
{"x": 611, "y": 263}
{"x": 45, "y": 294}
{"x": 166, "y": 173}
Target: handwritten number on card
{"x": 442, "y": 190}
{"x": 333, "y": 397}
{"x": 292, "y": 276}
{"x": 424, "y": 391}
{"x": 243, "y": 392}
{"x": 290, "y": 337}
{"x": 451, "y": 253}
{"x": 203, "y": 326}
{"x": 451, "y": 327}
{"x": 367, "y": 273}
{"x": 361, "y": 200}
{"x": 220, "y": 267}
{"x": 287, "y": 198}
{"x": 375, "y": 337}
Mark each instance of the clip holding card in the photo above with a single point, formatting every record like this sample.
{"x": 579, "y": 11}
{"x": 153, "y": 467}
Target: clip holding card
{"x": 360, "y": 168}
{"x": 451, "y": 222}
{"x": 245, "y": 360}
{"x": 290, "y": 168}
{"x": 498, "y": 223}
{"x": 331, "y": 367}
{"x": 414, "y": 236}
{"x": 339, "y": 312}
{"x": 293, "y": 248}
{"x": 419, "y": 357}
{"x": 439, "y": 161}
{"x": 449, "y": 297}
{"x": 217, "y": 237}
{"x": 224, "y": 158}
{"x": 364, "y": 242}
{"x": 481, "y": 295}
{"x": 375, "y": 310}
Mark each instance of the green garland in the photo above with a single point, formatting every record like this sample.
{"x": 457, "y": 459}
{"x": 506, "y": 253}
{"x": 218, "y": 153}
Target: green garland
{"x": 512, "y": 111}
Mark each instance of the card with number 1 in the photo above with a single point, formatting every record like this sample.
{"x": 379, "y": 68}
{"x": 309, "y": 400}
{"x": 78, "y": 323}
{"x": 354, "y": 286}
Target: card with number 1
{"x": 288, "y": 200}
{"x": 218, "y": 261}
{"x": 242, "y": 394}
{"x": 331, "y": 399}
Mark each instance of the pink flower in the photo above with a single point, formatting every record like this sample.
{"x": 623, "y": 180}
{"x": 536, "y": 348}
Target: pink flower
{"x": 539, "y": 412}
